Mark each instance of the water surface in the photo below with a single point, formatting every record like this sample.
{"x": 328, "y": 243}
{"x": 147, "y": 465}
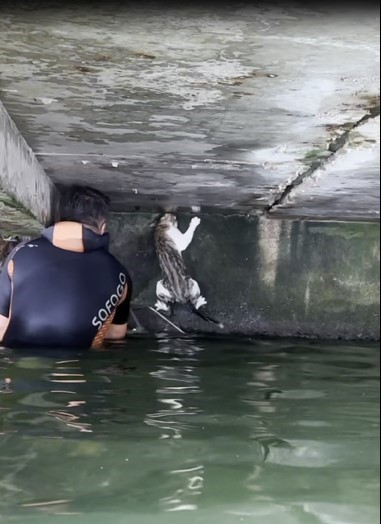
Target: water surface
{"x": 168, "y": 431}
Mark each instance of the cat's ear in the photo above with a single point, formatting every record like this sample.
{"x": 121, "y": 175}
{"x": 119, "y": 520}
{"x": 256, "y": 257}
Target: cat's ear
{"x": 155, "y": 221}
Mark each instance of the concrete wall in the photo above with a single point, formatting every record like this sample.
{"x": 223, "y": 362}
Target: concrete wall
{"x": 263, "y": 277}
{"x": 21, "y": 176}
{"x": 268, "y": 277}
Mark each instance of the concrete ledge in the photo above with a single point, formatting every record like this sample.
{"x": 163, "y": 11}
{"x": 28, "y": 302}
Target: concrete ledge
{"x": 265, "y": 277}
{"x": 21, "y": 175}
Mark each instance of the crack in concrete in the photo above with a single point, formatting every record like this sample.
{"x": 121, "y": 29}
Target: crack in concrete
{"x": 334, "y": 147}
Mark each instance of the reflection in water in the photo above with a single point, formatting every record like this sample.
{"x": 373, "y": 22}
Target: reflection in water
{"x": 172, "y": 430}
{"x": 68, "y": 372}
{"x": 178, "y": 382}
{"x": 15, "y": 465}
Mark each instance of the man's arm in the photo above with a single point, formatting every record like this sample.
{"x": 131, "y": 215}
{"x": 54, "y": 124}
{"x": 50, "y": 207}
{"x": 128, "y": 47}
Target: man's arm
{"x": 119, "y": 326}
{"x": 4, "y": 321}
{"x": 5, "y": 296}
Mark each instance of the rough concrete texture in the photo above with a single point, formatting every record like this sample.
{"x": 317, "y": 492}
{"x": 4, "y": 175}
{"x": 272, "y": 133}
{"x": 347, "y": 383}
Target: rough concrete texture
{"x": 21, "y": 176}
{"x": 268, "y": 277}
{"x": 337, "y": 185}
{"x": 224, "y": 107}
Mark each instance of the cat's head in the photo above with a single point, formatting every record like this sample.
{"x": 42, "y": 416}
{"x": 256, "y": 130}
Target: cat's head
{"x": 168, "y": 220}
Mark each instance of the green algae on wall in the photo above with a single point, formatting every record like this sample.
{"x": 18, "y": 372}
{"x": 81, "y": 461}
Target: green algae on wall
{"x": 14, "y": 219}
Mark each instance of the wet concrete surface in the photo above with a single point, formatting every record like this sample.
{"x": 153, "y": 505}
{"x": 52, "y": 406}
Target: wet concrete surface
{"x": 212, "y": 107}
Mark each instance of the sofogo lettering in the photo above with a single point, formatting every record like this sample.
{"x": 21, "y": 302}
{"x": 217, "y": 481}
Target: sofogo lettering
{"x": 111, "y": 304}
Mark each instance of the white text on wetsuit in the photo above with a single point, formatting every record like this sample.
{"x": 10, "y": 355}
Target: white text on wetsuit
{"x": 111, "y": 304}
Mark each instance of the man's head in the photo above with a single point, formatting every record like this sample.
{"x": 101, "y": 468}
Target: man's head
{"x": 86, "y": 206}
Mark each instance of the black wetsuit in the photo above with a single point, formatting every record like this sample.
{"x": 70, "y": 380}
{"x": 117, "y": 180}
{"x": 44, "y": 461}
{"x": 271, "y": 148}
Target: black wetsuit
{"x": 59, "y": 294}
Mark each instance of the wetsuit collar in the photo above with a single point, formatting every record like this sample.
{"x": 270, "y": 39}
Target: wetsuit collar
{"x": 73, "y": 236}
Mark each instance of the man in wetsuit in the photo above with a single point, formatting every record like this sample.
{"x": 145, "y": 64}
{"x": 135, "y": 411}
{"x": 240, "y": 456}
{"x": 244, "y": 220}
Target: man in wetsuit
{"x": 65, "y": 289}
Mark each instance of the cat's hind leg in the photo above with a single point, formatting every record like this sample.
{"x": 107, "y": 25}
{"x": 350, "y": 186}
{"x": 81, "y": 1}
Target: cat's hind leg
{"x": 165, "y": 297}
{"x": 196, "y": 299}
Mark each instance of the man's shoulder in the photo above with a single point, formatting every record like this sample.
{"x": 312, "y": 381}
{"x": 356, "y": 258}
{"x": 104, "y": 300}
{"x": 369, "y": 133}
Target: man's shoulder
{"x": 115, "y": 262}
{"x": 27, "y": 244}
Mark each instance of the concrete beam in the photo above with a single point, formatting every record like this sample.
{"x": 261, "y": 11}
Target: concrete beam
{"x": 219, "y": 107}
{"x": 21, "y": 175}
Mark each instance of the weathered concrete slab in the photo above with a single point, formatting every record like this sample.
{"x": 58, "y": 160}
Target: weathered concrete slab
{"x": 267, "y": 277}
{"x": 22, "y": 177}
{"x": 212, "y": 106}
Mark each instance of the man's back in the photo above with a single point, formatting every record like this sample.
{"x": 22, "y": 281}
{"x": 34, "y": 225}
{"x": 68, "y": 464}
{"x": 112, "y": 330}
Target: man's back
{"x": 62, "y": 289}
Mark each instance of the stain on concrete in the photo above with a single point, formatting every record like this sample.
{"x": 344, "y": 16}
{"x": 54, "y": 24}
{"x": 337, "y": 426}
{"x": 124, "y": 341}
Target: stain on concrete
{"x": 145, "y": 56}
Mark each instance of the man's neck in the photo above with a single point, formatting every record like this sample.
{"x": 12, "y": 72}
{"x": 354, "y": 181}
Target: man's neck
{"x": 93, "y": 229}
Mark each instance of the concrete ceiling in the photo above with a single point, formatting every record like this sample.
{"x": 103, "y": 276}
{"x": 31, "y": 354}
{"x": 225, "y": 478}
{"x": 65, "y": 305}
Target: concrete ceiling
{"x": 229, "y": 108}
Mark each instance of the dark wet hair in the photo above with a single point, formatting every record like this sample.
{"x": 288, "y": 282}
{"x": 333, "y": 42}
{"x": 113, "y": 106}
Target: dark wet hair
{"x": 85, "y": 205}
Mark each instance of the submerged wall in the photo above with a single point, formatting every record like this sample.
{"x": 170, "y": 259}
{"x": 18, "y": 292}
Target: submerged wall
{"x": 267, "y": 277}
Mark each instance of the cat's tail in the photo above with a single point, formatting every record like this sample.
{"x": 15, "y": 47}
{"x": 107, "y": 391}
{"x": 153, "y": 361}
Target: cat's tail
{"x": 206, "y": 317}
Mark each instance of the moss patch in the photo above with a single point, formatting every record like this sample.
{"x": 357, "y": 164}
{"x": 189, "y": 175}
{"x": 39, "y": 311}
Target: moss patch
{"x": 15, "y": 219}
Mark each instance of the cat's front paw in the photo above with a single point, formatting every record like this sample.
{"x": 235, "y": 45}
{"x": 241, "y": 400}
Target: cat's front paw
{"x": 195, "y": 222}
{"x": 201, "y": 302}
{"x": 161, "y": 306}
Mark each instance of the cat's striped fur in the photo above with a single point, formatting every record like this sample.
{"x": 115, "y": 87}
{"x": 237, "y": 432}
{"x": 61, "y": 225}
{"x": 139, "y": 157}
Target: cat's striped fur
{"x": 170, "y": 260}
{"x": 177, "y": 285}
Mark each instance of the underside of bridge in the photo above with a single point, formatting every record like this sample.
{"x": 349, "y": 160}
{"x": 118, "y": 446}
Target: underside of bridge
{"x": 262, "y": 118}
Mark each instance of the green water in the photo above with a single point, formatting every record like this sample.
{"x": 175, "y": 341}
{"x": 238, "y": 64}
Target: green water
{"x": 191, "y": 431}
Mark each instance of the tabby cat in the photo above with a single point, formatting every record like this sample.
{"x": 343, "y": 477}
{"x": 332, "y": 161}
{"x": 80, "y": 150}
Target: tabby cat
{"x": 177, "y": 286}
